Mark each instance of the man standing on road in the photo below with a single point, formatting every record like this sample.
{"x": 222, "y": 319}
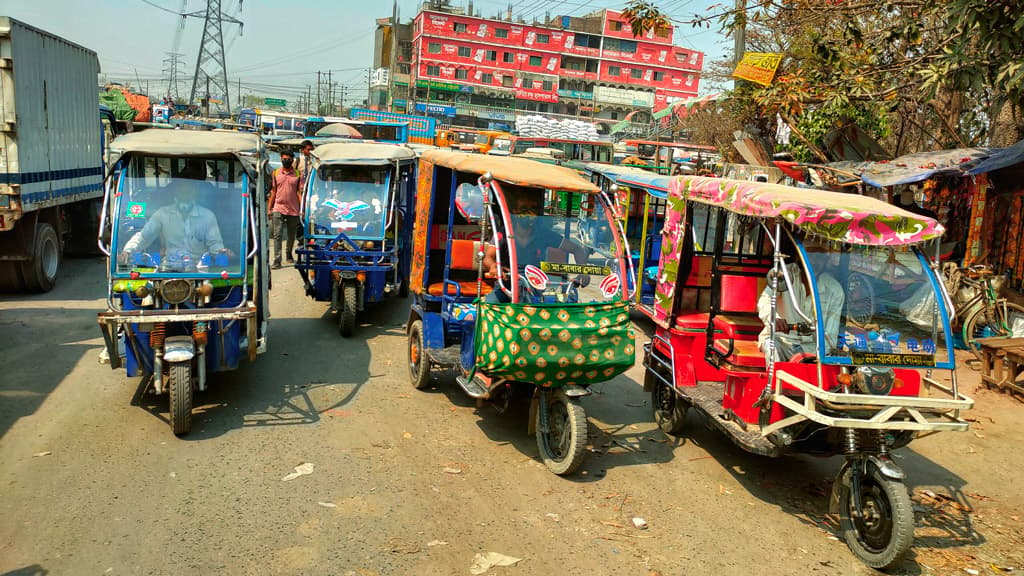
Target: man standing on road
{"x": 304, "y": 165}
{"x": 283, "y": 207}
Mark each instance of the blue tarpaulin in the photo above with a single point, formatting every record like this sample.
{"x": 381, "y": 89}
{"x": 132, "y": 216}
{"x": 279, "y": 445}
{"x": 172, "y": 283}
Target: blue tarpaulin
{"x": 922, "y": 166}
{"x": 1000, "y": 159}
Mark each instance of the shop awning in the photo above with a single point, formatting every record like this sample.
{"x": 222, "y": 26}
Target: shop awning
{"x": 922, "y": 166}
{"x": 1000, "y": 159}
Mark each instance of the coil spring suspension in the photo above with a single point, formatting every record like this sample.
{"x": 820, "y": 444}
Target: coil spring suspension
{"x": 851, "y": 441}
{"x": 199, "y": 332}
{"x": 157, "y": 336}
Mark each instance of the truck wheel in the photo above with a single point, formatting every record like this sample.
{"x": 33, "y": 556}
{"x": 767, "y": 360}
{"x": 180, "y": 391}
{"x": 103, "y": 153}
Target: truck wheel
{"x": 40, "y": 273}
{"x": 181, "y": 397}
{"x": 10, "y": 277}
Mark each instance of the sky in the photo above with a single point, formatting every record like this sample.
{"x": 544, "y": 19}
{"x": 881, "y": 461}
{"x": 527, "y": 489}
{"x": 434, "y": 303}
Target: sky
{"x": 284, "y": 43}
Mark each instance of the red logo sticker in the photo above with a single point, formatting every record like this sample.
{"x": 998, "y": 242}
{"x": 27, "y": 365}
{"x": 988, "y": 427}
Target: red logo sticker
{"x": 535, "y": 277}
{"x": 610, "y": 285}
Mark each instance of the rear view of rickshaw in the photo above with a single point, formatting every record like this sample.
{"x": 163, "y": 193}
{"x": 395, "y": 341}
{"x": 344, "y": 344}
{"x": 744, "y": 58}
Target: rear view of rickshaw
{"x": 184, "y": 227}
{"x": 800, "y": 323}
{"x": 358, "y": 227}
{"x": 519, "y": 276}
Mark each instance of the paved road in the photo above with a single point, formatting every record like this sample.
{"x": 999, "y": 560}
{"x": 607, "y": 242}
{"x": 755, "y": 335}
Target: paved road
{"x": 411, "y": 482}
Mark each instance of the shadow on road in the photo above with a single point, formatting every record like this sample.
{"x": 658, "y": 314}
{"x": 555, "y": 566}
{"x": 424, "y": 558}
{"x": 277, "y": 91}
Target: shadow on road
{"x": 800, "y": 486}
{"x": 33, "y": 570}
{"x": 308, "y": 370}
{"x": 42, "y": 337}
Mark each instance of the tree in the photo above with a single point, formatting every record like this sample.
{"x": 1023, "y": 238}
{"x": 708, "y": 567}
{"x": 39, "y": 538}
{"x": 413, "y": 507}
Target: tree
{"x": 919, "y": 74}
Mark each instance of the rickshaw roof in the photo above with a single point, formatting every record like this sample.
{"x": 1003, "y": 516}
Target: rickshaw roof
{"x": 519, "y": 171}
{"x": 655, "y": 184}
{"x": 187, "y": 143}
{"x": 836, "y": 216}
{"x": 363, "y": 153}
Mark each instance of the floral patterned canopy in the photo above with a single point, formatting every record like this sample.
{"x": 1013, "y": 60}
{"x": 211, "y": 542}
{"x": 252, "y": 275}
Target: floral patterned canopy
{"x": 834, "y": 216}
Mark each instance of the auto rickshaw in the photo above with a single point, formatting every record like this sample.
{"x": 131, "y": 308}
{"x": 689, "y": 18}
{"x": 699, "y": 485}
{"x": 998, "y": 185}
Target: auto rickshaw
{"x": 357, "y": 250}
{"x": 519, "y": 285}
{"x": 184, "y": 228}
{"x": 766, "y": 327}
{"x": 641, "y": 200}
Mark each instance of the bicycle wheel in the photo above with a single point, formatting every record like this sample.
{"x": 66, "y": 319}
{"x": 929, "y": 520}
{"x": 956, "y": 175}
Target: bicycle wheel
{"x": 1003, "y": 318}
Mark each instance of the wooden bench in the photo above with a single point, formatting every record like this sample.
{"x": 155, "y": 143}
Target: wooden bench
{"x": 1002, "y": 364}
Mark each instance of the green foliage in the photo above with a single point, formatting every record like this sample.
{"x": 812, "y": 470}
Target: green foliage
{"x": 817, "y": 123}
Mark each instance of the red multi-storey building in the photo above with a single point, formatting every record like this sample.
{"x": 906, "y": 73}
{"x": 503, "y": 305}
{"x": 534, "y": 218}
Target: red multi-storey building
{"x": 589, "y": 66}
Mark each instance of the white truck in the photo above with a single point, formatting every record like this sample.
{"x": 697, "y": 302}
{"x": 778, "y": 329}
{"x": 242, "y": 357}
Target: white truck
{"x": 51, "y": 154}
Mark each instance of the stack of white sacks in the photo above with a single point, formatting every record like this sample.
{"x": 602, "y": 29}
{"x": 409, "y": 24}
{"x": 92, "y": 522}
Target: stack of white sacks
{"x": 541, "y": 127}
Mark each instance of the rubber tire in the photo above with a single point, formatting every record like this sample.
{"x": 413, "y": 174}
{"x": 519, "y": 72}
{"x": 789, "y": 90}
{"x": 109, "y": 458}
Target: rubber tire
{"x": 180, "y": 389}
{"x": 669, "y": 409}
{"x": 575, "y": 425}
{"x": 10, "y": 277}
{"x": 893, "y": 500}
{"x": 419, "y": 370}
{"x": 40, "y": 273}
{"x": 977, "y": 318}
{"x": 347, "y": 314}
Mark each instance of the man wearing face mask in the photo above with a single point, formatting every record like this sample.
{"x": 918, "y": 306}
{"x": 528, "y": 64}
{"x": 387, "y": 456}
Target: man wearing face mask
{"x": 184, "y": 228}
{"x": 283, "y": 207}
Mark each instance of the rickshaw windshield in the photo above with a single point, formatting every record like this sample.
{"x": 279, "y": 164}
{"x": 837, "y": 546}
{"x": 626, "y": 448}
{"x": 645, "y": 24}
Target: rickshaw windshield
{"x": 483, "y": 138}
{"x": 349, "y": 198}
{"x": 570, "y": 238}
{"x": 879, "y": 305}
{"x": 502, "y": 145}
{"x": 180, "y": 216}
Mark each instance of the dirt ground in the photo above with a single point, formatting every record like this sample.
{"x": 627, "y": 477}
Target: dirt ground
{"x": 421, "y": 482}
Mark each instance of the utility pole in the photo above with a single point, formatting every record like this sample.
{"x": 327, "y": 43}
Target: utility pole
{"x": 369, "y": 81}
{"x": 210, "y": 62}
{"x": 330, "y": 95}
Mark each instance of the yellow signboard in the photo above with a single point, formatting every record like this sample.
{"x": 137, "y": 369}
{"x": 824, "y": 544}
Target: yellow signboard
{"x": 758, "y": 67}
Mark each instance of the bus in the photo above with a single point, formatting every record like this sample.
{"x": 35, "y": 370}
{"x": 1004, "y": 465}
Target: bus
{"x": 579, "y": 150}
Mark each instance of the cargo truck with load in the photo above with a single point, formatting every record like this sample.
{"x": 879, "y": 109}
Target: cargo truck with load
{"x": 51, "y": 154}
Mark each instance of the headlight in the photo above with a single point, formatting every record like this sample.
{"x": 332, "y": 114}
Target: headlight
{"x": 873, "y": 380}
{"x": 176, "y": 291}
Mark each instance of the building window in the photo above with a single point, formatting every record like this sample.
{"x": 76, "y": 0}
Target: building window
{"x": 459, "y": 27}
{"x": 465, "y": 52}
{"x": 492, "y": 55}
{"x": 681, "y": 57}
{"x": 661, "y": 31}
{"x": 614, "y": 71}
{"x": 434, "y": 48}
{"x": 547, "y": 85}
{"x": 615, "y": 26}
{"x": 487, "y": 78}
{"x": 461, "y": 74}
{"x": 433, "y": 70}
{"x": 543, "y": 38}
{"x": 507, "y": 81}
{"x": 535, "y": 61}
{"x": 501, "y": 32}
{"x": 659, "y": 76}
{"x": 508, "y": 57}
{"x": 636, "y": 73}
{"x": 614, "y": 115}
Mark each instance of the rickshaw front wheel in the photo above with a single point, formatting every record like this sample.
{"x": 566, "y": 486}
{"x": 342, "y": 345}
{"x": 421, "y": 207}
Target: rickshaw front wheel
{"x": 347, "y": 314}
{"x": 563, "y": 446}
{"x": 419, "y": 364}
{"x": 882, "y": 534}
{"x": 181, "y": 397}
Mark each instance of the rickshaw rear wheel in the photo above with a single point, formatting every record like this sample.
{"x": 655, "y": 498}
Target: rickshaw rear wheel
{"x": 882, "y": 537}
{"x": 563, "y": 447}
{"x": 347, "y": 314}
{"x": 180, "y": 390}
{"x": 669, "y": 409}
{"x": 419, "y": 364}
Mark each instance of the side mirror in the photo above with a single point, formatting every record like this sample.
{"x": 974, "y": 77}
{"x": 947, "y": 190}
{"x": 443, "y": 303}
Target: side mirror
{"x": 469, "y": 201}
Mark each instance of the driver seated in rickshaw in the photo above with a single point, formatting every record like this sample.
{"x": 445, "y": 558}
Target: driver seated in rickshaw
{"x": 185, "y": 229}
{"x": 794, "y": 338}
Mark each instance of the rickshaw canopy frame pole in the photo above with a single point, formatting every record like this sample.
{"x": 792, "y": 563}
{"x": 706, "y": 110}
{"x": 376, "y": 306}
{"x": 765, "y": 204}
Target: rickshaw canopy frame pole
{"x": 643, "y": 246}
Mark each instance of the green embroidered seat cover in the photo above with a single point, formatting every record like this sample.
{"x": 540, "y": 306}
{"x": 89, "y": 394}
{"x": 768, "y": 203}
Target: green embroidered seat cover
{"x": 554, "y": 344}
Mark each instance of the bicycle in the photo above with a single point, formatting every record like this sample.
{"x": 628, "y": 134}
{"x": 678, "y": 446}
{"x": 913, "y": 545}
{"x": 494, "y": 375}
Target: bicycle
{"x": 983, "y": 313}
